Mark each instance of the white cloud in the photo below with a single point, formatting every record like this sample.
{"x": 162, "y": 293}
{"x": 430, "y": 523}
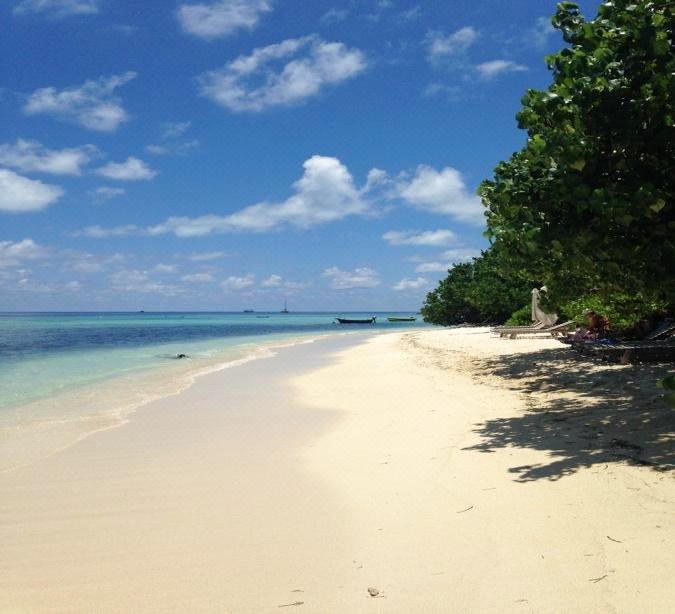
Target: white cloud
{"x": 432, "y": 267}
{"x": 450, "y": 257}
{"x": 172, "y": 141}
{"x": 164, "y": 268}
{"x": 442, "y": 192}
{"x": 13, "y": 253}
{"x": 106, "y": 192}
{"x": 57, "y": 8}
{"x": 31, "y": 156}
{"x": 324, "y": 193}
{"x": 310, "y": 65}
{"x": 173, "y": 130}
{"x": 440, "y": 45}
{"x": 541, "y": 31}
{"x": 234, "y": 283}
{"x": 198, "y": 278}
{"x": 74, "y": 286}
{"x": 363, "y": 277}
{"x": 205, "y": 256}
{"x": 98, "y": 232}
{"x": 494, "y": 68}
{"x": 431, "y": 238}
{"x": 411, "y": 284}
{"x": 334, "y": 15}
{"x": 92, "y": 105}
{"x": 273, "y": 281}
{"x": 19, "y": 194}
{"x": 132, "y": 169}
{"x": 135, "y": 281}
{"x": 222, "y": 17}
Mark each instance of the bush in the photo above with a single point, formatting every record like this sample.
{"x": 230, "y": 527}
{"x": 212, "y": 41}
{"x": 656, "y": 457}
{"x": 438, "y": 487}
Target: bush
{"x": 521, "y": 317}
{"x": 624, "y": 312}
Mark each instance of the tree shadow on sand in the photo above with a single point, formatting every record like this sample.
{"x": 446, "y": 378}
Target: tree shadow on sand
{"x": 600, "y": 414}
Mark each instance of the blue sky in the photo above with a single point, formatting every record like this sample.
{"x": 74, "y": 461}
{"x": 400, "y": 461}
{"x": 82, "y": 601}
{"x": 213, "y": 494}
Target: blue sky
{"x": 229, "y": 154}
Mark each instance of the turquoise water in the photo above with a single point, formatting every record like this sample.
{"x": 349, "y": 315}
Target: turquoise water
{"x": 64, "y": 375}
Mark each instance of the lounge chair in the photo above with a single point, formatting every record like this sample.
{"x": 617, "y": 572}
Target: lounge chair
{"x": 554, "y": 331}
{"x": 634, "y": 351}
{"x": 534, "y": 326}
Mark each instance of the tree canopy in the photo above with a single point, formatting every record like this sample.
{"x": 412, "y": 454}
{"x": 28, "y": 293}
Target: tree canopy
{"x": 586, "y": 207}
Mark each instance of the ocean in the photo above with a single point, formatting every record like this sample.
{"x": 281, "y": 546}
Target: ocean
{"x": 64, "y": 376}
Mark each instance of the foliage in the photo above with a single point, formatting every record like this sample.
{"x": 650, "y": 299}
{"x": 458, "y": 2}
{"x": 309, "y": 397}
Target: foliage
{"x": 622, "y": 310}
{"x": 668, "y": 385}
{"x": 520, "y": 317}
{"x": 475, "y": 292}
{"x": 587, "y": 205}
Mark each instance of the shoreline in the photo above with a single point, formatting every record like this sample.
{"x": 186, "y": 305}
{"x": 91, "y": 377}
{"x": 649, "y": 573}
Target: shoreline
{"x": 112, "y": 401}
{"x": 433, "y": 466}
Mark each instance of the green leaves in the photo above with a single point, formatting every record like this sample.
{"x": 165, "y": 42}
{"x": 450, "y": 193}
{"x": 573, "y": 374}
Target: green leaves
{"x": 587, "y": 203}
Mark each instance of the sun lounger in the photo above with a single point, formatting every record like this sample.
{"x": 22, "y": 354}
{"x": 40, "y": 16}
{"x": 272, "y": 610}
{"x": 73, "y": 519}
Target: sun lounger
{"x": 633, "y": 351}
{"x": 554, "y": 331}
{"x": 535, "y": 326}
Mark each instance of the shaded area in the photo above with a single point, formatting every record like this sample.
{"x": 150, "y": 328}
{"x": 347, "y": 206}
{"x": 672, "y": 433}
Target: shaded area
{"x": 600, "y": 414}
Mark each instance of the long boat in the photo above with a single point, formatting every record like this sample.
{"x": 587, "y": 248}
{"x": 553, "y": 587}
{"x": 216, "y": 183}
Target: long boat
{"x": 356, "y": 320}
{"x": 401, "y": 318}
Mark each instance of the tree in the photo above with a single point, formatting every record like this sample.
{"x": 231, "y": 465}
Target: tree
{"x": 587, "y": 204}
{"x": 476, "y": 292}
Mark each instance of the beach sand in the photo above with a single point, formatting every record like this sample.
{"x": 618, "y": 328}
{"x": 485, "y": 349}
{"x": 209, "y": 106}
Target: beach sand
{"x": 449, "y": 470}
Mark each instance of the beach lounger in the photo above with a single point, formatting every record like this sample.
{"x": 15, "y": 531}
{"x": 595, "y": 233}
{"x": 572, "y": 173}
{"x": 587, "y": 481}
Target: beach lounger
{"x": 535, "y": 326}
{"x": 634, "y": 351}
{"x": 554, "y": 331}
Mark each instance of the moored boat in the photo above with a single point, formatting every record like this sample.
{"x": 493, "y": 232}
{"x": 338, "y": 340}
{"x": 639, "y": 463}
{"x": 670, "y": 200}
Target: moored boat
{"x": 401, "y": 318}
{"x": 356, "y": 320}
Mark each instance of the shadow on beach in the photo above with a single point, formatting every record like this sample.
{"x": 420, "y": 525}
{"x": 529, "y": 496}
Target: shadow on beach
{"x": 582, "y": 413}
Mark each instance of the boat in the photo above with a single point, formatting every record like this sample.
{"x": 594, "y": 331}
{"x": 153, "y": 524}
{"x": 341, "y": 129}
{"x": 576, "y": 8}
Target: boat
{"x": 356, "y": 320}
{"x": 285, "y": 309}
{"x": 248, "y": 310}
{"x": 401, "y": 318}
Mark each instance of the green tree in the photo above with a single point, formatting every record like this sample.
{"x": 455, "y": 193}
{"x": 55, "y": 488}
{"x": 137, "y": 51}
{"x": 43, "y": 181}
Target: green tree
{"x": 476, "y": 292}
{"x": 587, "y": 205}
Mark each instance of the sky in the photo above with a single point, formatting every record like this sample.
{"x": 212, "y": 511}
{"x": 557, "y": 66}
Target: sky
{"x": 231, "y": 154}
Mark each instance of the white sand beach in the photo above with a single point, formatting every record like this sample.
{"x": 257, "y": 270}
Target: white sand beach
{"x": 448, "y": 470}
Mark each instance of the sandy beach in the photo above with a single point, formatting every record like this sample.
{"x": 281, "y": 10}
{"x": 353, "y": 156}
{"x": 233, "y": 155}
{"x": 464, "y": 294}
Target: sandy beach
{"x": 447, "y": 470}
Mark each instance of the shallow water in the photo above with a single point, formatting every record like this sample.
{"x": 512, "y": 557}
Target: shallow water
{"x": 66, "y": 375}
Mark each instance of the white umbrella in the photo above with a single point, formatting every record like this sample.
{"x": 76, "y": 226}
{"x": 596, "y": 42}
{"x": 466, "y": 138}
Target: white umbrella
{"x": 538, "y": 314}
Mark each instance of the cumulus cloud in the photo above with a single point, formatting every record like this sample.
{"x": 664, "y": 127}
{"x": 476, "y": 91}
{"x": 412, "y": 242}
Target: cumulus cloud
{"x": 198, "y": 278}
{"x": 430, "y": 238}
{"x": 18, "y": 194}
{"x": 410, "y": 284}
{"x": 31, "y": 156}
{"x": 57, "y": 8}
{"x": 541, "y": 31}
{"x": 93, "y": 105}
{"x": 441, "y": 45}
{"x": 273, "y": 281}
{"x": 205, "y": 256}
{"x": 13, "y": 253}
{"x": 442, "y": 192}
{"x": 98, "y": 232}
{"x": 234, "y": 283}
{"x": 220, "y": 18}
{"x": 172, "y": 141}
{"x": 325, "y": 193}
{"x": 132, "y": 280}
{"x": 449, "y": 258}
{"x": 282, "y": 74}
{"x": 494, "y": 68}
{"x": 132, "y": 169}
{"x": 362, "y": 277}
{"x": 106, "y": 192}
